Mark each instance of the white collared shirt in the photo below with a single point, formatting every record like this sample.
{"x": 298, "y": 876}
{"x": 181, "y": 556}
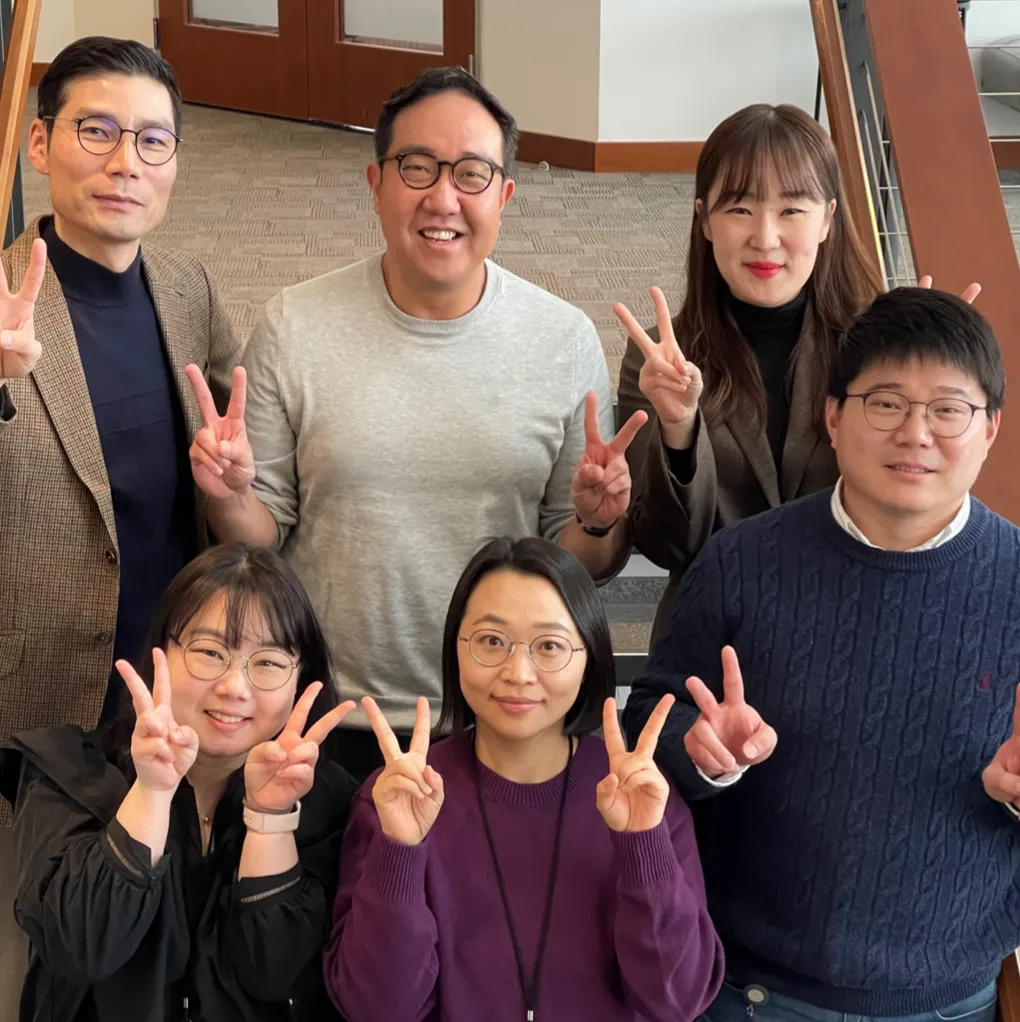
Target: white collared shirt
{"x": 954, "y": 528}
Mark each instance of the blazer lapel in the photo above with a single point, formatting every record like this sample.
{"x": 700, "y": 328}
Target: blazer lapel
{"x": 174, "y": 322}
{"x": 754, "y": 444}
{"x": 61, "y": 382}
{"x": 802, "y": 436}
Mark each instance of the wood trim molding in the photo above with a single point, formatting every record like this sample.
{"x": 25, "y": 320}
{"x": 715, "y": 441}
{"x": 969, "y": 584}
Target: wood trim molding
{"x": 609, "y": 157}
{"x": 38, "y": 70}
{"x": 569, "y": 153}
{"x": 647, "y": 157}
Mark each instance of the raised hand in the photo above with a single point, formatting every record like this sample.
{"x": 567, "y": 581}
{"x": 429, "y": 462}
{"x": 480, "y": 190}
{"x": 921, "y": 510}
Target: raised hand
{"x": 671, "y": 383}
{"x": 162, "y": 750}
{"x": 278, "y": 773}
{"x": 970, "y": 292}
{"x": 601, "y": 485}
{"x": 221, "y": 457}
{"x": 19, "y": 350}
{"x": 727, "y": 735}
{"x": 408, "y": 794}
{"x": 633, "y": 796}
{"x": 1001, "y": 777}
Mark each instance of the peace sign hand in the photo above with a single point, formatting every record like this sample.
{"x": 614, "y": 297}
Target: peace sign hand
{"x": 671, "y": 383}
{"x": 633, "y": 796}
{"x": 408, "y": 794}
{"x": 278, "y": 773}
{"x": 19, "y": 350}
{"x": 221, "y": 457}
{"x": 601, "y": 485}
{"x": 727, "y": 735}
{"x": 970, "y": 292}
{"x": 162, "y": 750}
{"x": 1001, "y": 777}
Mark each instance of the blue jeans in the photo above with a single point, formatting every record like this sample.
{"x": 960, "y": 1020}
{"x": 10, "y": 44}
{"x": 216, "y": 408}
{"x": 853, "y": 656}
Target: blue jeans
{"x": 731, "y": 1006}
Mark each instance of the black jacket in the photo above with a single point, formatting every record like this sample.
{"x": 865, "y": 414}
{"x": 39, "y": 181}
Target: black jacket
{"x": 114, "y": 939}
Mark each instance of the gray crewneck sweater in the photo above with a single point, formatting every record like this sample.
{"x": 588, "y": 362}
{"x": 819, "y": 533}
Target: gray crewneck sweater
{"x": 388, "y": 448}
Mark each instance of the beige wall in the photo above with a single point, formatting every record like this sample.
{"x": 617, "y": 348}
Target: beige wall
{"x": 63, "y": 21}
{"x": 541, "y": 58}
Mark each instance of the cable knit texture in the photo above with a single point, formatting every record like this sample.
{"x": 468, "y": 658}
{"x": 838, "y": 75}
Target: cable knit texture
{"x": 862, "y": 868}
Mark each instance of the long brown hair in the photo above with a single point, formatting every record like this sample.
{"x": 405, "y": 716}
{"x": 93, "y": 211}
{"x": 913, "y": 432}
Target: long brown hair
{"x": 737, "y": 157}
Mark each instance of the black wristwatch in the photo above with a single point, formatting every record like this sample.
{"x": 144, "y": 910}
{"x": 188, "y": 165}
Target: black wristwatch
{"x": 598, "y": 531}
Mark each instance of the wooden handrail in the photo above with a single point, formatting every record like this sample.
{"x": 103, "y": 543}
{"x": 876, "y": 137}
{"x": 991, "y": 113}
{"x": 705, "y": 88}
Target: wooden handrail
{"x": 839, "y": 103}
{"x": 1009, "y": 990}
{"x": 949, "y": 184}
{"x": 14, "y": 94}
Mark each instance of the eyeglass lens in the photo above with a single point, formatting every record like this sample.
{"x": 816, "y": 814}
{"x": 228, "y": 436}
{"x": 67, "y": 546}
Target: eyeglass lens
{"x": 210, "y": 660}
{"x": 492, "y": 648}
{"x": 419, "y": 170}
{"x": 946, "y": 417}
{"x": 100, "y": 136}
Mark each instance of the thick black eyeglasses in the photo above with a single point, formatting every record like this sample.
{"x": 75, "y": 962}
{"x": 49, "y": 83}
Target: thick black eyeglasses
{"x": 420, "y": 171}
{"x": 947, "y": 417}
{"x": 100, "y": 136}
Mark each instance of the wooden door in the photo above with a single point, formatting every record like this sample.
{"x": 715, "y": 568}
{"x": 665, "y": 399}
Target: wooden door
{"x": 242, "y": 54}
{"x": 361, "y": 51}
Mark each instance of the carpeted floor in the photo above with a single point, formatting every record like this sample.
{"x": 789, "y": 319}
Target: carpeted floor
{"x": 266, "y": 203}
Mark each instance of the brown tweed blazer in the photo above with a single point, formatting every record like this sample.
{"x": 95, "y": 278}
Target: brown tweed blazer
{"x": 735, "y": 474}
{"x": 59, "y": 573}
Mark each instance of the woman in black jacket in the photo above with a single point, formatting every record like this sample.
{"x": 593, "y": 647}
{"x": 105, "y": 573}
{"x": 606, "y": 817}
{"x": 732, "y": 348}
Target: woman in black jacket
{"x": 181, "y": 865}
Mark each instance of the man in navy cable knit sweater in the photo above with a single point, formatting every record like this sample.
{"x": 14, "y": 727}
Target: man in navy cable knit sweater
{"x": 854, "y": 745}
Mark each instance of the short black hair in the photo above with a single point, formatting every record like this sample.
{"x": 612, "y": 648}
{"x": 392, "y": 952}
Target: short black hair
{"x": 548, "y": 560}
{"x": 917, "y": 322}
{"x": 99, "y": 54}
{"x": 433, "y": 82}
{"x": 248, "y": 579}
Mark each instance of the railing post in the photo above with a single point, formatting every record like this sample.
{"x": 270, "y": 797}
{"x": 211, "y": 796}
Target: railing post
{"x": 949, "y": 184}
{"x": 19, "y": 26}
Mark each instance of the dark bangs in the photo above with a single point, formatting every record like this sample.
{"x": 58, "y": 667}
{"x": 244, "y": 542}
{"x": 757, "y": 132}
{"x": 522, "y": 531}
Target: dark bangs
{"x": 768, "y": 144}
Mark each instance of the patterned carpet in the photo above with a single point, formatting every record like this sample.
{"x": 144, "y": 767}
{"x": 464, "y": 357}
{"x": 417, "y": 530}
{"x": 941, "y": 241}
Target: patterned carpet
{"x": 266, "y": 203}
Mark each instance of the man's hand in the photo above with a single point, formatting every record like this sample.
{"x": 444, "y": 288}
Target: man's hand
{"x": 19, "y": 350}
{"x": 728, "y": 735}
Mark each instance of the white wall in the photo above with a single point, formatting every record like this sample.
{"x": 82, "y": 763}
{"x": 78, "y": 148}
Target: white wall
{"x": 671, "y": 70}
{"x": 988, "y": 21}
{"x": 541, "y": 58}
{"x": 63, "y": 21}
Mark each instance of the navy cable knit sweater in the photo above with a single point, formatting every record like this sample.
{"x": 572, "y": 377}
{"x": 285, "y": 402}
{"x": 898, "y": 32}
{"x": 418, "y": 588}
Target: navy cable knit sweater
{"x": 861, "y": 868}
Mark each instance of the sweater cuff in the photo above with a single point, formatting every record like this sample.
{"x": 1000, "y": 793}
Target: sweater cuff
{"x": 646, "y": 857}
{"x": 396, "y": 872}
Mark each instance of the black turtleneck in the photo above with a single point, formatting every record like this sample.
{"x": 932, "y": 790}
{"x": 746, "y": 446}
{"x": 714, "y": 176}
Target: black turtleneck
{"x": 772, "y": 334}
{"x": 141, "y": 430}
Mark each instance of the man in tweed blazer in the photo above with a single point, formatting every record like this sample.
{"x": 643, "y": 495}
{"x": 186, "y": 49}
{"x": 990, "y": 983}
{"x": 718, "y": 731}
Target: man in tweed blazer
{"x": 96, "y": 414}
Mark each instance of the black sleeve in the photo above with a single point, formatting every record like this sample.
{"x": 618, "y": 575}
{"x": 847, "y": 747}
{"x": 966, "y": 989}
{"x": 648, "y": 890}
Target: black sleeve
{"x": 690, "y": 642}
{"x": 682, "y": 464}
{"x": 7, "y": 409}
{"x": 276, "y": 927}
{"x": 87, "y": 895}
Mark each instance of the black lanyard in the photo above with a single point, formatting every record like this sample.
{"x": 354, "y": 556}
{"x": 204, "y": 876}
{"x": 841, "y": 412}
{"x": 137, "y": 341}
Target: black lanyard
{"x": 529, "y": 990}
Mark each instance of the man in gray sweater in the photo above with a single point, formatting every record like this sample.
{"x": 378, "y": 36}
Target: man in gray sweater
{"x": 404, "y": 409}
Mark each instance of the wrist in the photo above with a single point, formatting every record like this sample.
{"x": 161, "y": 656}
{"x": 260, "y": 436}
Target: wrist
{"x": 595, "y": 529}
{"x": 155, "y": 800}
{"x": 677, "y": 435}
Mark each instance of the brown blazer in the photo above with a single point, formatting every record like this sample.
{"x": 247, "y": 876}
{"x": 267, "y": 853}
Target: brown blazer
{"x": 59, "y": 574}
{"x": 734, "y": 472}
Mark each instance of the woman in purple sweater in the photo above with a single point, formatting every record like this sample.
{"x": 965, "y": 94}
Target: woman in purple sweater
{"x": 523, "y": 868}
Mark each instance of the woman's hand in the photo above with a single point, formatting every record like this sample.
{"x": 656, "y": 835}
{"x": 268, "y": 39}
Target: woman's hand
{"x": 279, "y": 773}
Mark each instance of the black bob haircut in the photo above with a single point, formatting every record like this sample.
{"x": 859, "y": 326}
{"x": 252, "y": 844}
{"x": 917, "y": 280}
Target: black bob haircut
{"x": 548, "y": 560}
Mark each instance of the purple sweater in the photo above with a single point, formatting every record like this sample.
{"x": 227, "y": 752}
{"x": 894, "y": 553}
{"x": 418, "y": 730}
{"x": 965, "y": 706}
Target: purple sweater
{"x": 420, "y": 933}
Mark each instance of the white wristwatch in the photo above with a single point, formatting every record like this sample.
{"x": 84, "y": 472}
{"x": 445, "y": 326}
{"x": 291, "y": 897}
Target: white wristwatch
{"x": 263, "y": 822}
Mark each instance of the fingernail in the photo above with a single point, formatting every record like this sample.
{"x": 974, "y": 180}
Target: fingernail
{"x": 225, "y": 448}
{"x": 6, "y": 340}
{"x": 751, "y": 750}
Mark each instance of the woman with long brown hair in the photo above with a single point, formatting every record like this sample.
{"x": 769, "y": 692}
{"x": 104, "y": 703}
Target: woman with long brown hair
{"x": 735, "y": 384}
